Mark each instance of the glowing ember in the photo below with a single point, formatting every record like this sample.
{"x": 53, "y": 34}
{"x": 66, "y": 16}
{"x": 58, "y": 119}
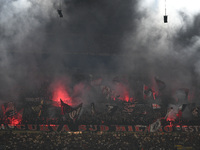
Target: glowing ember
{"x": 60, "y": 92}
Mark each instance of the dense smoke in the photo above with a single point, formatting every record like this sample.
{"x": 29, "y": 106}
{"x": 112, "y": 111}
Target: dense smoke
{"x": 100, "y": 37}
{"x": 169, "y": 51}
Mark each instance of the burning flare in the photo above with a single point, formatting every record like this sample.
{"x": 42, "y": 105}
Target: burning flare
{"x": 60, "y": 92}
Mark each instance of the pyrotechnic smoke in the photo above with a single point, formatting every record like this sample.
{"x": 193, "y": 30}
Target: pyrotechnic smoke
{"x": 23, "y": 28}
{"x": 169, "y": 51}
{"x": 128, "y": 36}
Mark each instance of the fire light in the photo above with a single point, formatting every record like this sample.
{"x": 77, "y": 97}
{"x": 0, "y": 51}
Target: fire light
{"x": 15, "y": 121}
{"x": 126, "y": 98}
{"x": 60, "y": 92}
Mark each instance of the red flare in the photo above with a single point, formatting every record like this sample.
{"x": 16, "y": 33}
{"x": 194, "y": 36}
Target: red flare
{"x": 60, "y": 92}
{"x": 15, "y": 121}
{"x": 126, "y": 98}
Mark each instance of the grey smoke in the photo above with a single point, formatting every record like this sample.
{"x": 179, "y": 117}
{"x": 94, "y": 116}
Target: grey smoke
{"x": 36, "y": 43}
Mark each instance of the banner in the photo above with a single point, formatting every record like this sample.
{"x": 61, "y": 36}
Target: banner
{"x": 8, "y": 109}
{"x": 65, "y": 108}
{"x": 96, "y": 128}
{"x": 74, "y": 114}
{"x": 155, "y": 126}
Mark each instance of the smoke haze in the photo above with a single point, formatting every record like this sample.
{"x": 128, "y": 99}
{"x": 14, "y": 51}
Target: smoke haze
{"x": 101, "y": 37}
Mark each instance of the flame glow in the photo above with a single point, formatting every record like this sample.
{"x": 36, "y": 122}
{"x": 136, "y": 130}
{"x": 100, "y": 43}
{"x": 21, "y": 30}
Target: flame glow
{"x": 60, "y": 92}
{"x": 15, "y": 121}
{"x": 123, "y": 92}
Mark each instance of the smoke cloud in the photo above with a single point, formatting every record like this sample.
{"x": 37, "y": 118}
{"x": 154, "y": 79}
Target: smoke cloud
{"x": 100, "y": 37}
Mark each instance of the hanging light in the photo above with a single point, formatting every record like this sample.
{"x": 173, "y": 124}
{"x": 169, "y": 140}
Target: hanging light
{"x": 60, "y": 10}
{"x": 165, "y": 19}
{"x": 165, "y": 16}
{"x": 60, "y": 13}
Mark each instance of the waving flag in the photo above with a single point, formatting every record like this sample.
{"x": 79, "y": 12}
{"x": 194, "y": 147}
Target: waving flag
{"x": 106, "y": 91}
{"x": 161, "y": 85}
{"x": 65, "y": 108}
{"x": 195, "y": 112}
{"x": 184, "y": 91}
{"x": 38, "y": 109}
{"x": 172, "y": 113}
{"x": 181, "y": 95}
{"x": 147, "y": 92}
{"x": 72, "y": 112}
{"x": 111, "y": 109}
{"x": 8, "y": 109}
{"x": 156, "y": 106}
{"x": 155, "y": 126}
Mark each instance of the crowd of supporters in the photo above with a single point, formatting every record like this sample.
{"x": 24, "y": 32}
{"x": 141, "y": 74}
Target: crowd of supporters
{"x": 103, "y": 118}
{"x": 118, "y": 118}
{"x": 98, "y": 140}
